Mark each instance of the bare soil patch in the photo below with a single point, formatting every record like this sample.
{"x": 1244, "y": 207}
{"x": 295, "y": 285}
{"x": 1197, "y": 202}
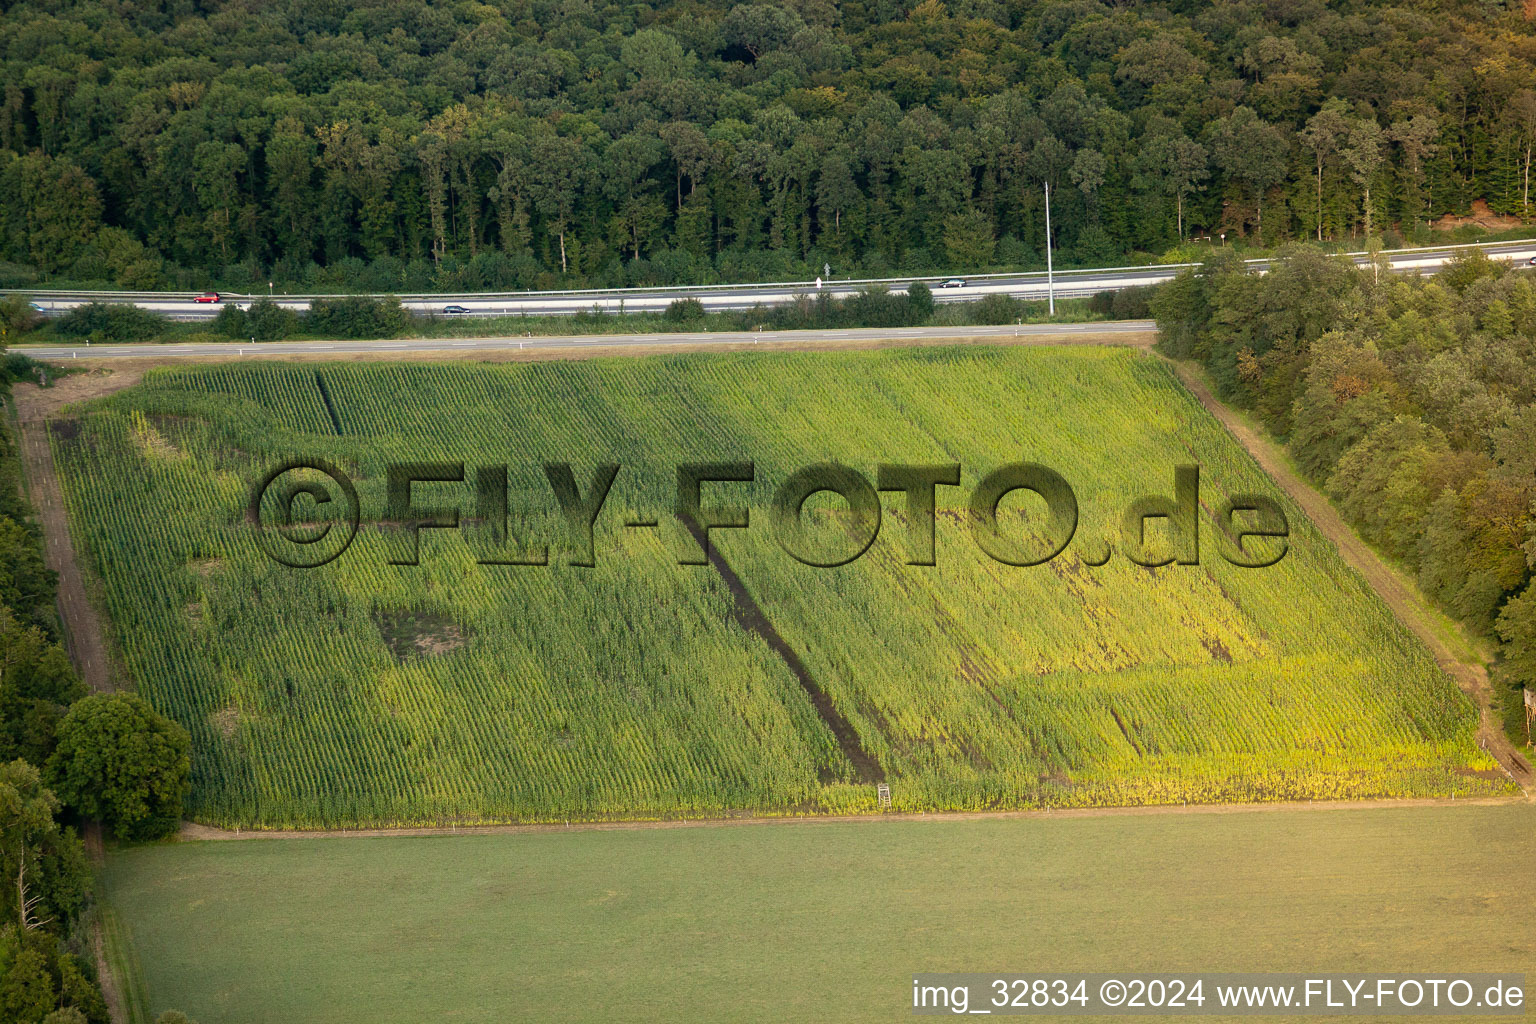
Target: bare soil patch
{"x": 103, "y": 377}
{"x": 1481, "y": 215}
{"x": 224, "y": 720}
{"x": 416, "y": 634}
{"x": 156, "y": 444}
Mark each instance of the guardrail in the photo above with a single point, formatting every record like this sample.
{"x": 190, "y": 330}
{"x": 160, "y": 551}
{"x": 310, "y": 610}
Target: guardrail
{"x": 789, "y": 286}
{"x": 702, "y": 289}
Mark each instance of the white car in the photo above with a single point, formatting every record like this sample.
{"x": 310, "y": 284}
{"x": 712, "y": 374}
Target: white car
{"x": 954, "y": 282}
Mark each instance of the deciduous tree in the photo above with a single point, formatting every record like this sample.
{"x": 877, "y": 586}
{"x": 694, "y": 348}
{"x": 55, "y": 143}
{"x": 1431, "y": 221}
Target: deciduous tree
{"x": 120, "y": 761}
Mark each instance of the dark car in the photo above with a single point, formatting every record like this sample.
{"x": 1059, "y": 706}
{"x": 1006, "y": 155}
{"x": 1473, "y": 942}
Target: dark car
{"x": 208, "y": 297}
{"x": 954, "y": 282}
{"x": 454, "y": 310}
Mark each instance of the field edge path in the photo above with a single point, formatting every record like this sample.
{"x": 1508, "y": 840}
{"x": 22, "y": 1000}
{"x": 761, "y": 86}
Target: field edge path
{"x": 195, "y": 832}
{"x": 84, "y": 636}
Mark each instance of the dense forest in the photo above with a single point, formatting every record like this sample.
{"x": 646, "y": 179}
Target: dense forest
{"x": 402, "y": 145}
{"x": 1411, "y": 401}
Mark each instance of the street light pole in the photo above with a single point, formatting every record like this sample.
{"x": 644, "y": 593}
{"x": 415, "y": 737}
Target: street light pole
{"x": 1050, "y": 277}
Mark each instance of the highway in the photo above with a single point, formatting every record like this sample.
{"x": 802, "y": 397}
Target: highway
{"x": 716, "y": 298}
{"x": 428, "y": 346}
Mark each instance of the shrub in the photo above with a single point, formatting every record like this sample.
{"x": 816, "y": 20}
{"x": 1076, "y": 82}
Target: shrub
{"x": 1124, "y": 304}
{"x": 874, "y": 306}
{"x": 231, "y": 322}
{"x": 997, "y": 309}
{"x": 111, "y": 321}
{"x": 593, "y": 317}
{"x": 16, "y": 317}
{"x": 357, "y": 316}
{"x": 16, "y": 367}
{"x": 267, "y": 321}
{"x": 920, "y": 299}
{"x": 685, "y": 310}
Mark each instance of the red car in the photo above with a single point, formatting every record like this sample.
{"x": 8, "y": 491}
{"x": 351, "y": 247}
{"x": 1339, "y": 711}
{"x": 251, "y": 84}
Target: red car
{"x": 210, "y": 297}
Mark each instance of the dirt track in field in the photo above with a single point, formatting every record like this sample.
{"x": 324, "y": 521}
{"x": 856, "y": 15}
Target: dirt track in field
{"x": 584, "y": 347}
{"x": 111, "y": 991}
{"x": 84, "y": 637}
{"x": 1406, "y": 603}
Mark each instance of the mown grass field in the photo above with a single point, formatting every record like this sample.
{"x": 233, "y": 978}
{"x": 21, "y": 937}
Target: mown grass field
{"x": 365, "y": 692}
{"x": 821, "y": 921}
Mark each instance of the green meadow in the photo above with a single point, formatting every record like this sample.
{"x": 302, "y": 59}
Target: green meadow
{"x": 822, "y": 921}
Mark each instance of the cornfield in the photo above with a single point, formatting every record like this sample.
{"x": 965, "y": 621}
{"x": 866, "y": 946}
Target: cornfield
{"x": 365, "y": 692}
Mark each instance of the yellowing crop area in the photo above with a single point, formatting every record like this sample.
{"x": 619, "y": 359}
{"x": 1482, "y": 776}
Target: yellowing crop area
{"x": 369, "y": 692}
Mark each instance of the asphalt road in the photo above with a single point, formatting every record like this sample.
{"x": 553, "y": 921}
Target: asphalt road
{"x": 1068, "y": 283}
{"x": 415, "y": 346}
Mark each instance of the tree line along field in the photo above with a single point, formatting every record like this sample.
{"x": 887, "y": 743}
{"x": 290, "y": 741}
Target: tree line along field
{"x": 368, "y": 693}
